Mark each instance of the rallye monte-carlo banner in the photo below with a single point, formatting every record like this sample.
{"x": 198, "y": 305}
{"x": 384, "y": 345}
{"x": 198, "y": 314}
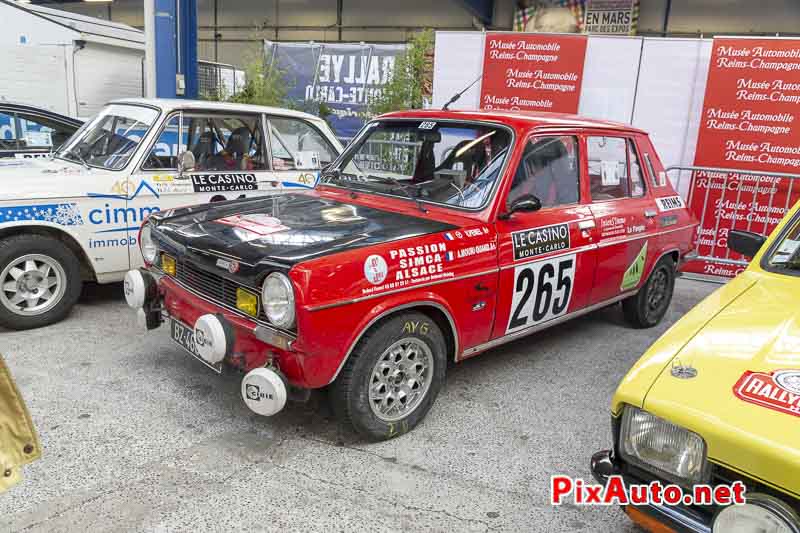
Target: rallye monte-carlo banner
{"x": 342, "y": 76}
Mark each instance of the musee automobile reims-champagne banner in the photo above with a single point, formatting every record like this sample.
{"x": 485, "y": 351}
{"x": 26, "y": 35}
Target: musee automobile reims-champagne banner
{"x": 750, "y": 121}
{"x": 533, "y": 72}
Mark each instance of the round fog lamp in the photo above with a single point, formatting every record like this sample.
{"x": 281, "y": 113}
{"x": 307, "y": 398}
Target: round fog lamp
{"x": 277, "y": 298}
{"x": 761, "y": 514}
{"x": 146, "y": 243}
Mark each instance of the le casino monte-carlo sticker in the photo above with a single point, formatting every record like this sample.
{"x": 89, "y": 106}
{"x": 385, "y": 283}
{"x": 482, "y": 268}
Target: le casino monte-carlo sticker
{"x": 537, "y": 241}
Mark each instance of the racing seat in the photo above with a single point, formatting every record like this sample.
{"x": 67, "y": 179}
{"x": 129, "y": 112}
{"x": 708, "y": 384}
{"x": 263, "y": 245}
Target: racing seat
{"x": 234, "y": 156}
{"x": 203, "y": 149}
{"x": 472, "y": 160}
{"x": 238, "y": 147}
{"x": 426, "y": 163}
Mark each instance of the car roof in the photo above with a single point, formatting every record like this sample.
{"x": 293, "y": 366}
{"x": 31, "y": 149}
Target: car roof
{"x": 25, "y": 108}
{"x": 172, "y": 104}
{"x": 517, "y": 119}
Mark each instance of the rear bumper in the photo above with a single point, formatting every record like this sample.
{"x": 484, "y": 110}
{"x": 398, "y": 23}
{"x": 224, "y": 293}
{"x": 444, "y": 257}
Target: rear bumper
{"x": 664, "y": 519}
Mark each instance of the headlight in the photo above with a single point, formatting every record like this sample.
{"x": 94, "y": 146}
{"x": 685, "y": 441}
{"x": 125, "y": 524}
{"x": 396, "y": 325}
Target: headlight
{"x": 652, "y": 443}
{"x": 761, "y": 513}
{"x": 277, "y": 298}
{"x": 148, "y": 247}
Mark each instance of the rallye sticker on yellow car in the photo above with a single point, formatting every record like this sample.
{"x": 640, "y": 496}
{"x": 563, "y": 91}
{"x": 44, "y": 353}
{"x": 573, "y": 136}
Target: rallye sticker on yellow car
{"x": 779, "y": 390}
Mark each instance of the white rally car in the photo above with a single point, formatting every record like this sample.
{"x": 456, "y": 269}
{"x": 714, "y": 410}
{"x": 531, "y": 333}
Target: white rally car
{"x": 75, "y": 216}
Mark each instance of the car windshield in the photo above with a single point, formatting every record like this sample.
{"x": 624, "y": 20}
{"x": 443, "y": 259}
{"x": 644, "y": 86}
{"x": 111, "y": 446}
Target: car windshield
{"x": 452, "y": 163}
{"x": 110, "y": 139}
{"x": 786, "y": 254}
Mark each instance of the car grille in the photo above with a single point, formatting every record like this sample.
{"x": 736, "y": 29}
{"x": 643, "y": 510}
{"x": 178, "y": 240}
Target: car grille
{"x": 213, "y": 286}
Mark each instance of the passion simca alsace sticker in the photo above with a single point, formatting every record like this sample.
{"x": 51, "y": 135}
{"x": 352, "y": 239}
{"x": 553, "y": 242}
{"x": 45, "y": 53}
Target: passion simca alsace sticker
{"x": 779, "y": 390}
{"x": 537, "y": 241}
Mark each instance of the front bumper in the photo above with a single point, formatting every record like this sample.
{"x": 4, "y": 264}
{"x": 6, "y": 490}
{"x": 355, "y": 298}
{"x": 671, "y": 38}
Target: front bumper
{"x": 253, "y": 345}
{"x": 661, "y": 518}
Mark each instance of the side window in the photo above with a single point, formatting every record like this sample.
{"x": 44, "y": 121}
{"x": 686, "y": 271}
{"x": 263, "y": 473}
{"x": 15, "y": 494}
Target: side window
{"x": 42, "y": 133}
{"x": 637, "y": 181}
{"x": 22, "y": 131}
{"x": 8, "y": 131}
{"x": 164, "y": 153}
{"x": 224, "y": 143}
{"x": 614, "y": 168}
{"x": 548, "y": 170}
{"x": 297, "y": 145}
{"x": 658, "y": 180}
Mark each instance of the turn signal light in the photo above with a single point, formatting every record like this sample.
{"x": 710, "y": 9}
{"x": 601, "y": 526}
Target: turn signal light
{"x": 168, "y": 265}
{"x": 246, "y": 302}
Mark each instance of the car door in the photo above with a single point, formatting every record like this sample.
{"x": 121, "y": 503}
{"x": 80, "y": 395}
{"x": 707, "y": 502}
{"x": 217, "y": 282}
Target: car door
{"x": 624, "y": 212}
{"x": 546, "y": 257}
{"x": 230, "y": 163}
{"x": 298, "y": 151}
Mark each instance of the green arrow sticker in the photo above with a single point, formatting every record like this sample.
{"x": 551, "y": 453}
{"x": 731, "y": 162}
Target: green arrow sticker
{"x": 634, "y": 273}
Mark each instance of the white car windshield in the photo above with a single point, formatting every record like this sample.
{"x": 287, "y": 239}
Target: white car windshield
{"x": 452, "y": 163}
{"x": 110, "y": 139}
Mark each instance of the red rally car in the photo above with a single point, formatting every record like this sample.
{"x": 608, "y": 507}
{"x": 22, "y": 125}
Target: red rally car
{"x": 435, "y": 236}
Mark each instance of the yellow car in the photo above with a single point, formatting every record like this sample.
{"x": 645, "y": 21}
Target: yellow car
{"x": 717, "y": 400}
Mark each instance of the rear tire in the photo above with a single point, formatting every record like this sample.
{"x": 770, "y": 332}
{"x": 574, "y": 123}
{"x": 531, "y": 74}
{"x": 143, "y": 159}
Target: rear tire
{"x": 392, "y": 377}
{"x": 647, "y": 308}
{"x": 40, "y": 281}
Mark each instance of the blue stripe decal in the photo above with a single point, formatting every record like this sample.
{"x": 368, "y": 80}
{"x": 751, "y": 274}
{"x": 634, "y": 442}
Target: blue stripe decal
{"x": 63, "y": 214}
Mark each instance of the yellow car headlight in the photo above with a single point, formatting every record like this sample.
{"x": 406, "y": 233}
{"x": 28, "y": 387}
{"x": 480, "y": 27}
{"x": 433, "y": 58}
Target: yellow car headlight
{"x": 247, "y": 302}
{"x": 659, "y": 446}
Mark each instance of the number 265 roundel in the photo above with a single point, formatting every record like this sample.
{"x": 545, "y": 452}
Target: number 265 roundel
{"x": 542, "y": 291}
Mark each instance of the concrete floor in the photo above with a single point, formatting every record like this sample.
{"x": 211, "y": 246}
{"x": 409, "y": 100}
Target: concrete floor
{"x": 139, "y": 436}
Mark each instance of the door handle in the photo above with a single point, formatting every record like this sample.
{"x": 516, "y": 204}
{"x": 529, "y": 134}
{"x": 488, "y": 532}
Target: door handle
{"x": 586, "y": 224}
{"x": 481, "y": 287}
{"x": 650, "y": 213}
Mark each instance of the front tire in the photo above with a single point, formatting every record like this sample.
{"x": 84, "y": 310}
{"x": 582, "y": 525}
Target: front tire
{"x": 40, "y": 281}
{"x": 392, "y": 378}
{"x": 647, "y": 308}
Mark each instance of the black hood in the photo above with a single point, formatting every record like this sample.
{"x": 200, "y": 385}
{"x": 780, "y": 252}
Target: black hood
{"x": 286, "y": 229}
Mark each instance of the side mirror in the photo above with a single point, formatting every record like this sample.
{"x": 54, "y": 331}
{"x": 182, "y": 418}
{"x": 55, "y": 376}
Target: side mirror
{"x": 186, "y": 162}
{"x": 526, "y": 203}
{"x": 746, "y": 243}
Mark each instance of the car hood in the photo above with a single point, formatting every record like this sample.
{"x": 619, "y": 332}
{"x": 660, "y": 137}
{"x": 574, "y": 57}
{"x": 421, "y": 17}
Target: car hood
{"x": 44, "y": 178}
{"x": 286, "y": 229}
{"x": 749, "y": 423}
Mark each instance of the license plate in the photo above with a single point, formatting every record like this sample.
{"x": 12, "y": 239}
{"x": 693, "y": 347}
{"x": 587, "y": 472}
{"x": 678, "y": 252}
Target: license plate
{"x": 183, "y": 335}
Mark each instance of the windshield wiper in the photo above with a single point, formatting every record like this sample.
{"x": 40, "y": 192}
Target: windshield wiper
{"x": 403, "y": 187}
{"x": 72, "y": 156}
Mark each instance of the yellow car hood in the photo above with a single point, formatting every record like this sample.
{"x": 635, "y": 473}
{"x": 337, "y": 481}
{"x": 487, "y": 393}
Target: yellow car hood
{"x": 755, "y": 332}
